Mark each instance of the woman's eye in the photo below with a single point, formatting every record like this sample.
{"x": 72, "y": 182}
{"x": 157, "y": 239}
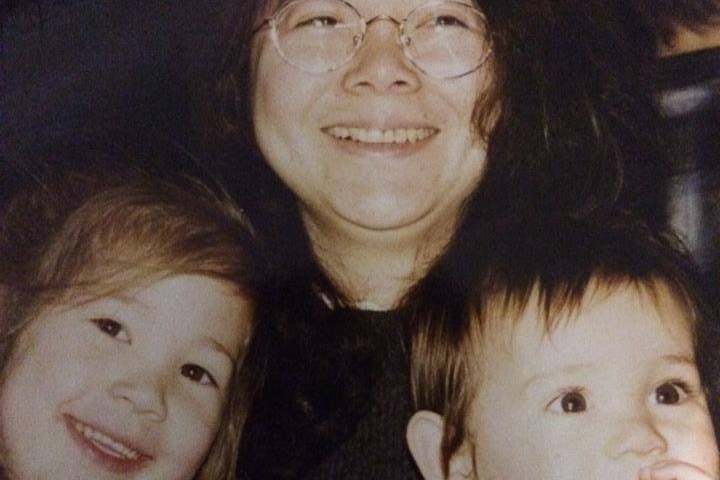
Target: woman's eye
{"x": 671, "y": 393}
{"x": 197, "y": 374}
{"x": 448, "y": 21}
{"x": 111, "y": 328}
{"x": 570, "y": 402}
{"x": 319, "y": 22}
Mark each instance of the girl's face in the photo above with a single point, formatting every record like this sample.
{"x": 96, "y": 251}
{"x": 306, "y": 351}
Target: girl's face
{"x": 375, "y": 144}
{"x": 606, "y": 394}
{"x": 130, "y": 385}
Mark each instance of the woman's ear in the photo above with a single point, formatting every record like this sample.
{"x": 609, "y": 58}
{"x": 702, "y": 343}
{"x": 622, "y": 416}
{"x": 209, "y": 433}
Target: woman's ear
{"x": 424, "y": 436}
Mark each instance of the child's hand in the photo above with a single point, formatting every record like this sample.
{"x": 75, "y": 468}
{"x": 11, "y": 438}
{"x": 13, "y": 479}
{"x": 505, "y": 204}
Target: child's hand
{"x": 674, "y": 470}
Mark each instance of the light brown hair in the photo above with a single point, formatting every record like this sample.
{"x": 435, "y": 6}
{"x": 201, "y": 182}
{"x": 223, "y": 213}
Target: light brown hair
{"x": 96, "y": 229}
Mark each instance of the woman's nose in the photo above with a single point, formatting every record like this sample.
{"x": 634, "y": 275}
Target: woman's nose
{"x": 636, "y": 436}
{"x": 380, "y": 66}
{"x": 144, "y": 391}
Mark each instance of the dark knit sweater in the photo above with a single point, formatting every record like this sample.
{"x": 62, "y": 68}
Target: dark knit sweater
{"x": 278, "y": 446}
{"x": 377, "y": 449}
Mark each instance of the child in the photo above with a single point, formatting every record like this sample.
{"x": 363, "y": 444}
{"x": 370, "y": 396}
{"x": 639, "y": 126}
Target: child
{"x": 564, "y": 351}
{"x": 127, "y": 304}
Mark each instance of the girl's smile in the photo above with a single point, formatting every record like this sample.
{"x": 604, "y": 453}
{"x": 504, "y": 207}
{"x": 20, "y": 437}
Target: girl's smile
{"x": 111, "y": 453}
{"x": 128, "y": 385}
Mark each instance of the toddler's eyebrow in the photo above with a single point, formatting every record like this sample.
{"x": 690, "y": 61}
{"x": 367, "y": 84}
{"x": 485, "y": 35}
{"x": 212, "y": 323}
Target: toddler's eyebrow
{"x": 568, "y": 369}
{"x": 678, "y": 359}
{"x": 670, "y": 358}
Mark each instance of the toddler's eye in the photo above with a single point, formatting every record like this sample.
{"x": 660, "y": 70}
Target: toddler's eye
{"x": 569, "y": 402}
{"x": 197, "y": 374}
{"x": 111, "y": 328}
{"x": 671, "y": 393}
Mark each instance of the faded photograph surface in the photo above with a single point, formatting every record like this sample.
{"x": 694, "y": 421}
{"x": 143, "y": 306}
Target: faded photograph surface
{"x": 352, "y": 239}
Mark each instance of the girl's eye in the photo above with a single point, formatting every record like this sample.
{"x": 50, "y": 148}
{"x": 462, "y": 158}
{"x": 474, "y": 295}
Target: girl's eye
{"x": 570, "y": 402}
{"x": 111, "y": 328}
{"x": 197, "y": 374}
{"x": 671, "y": 393}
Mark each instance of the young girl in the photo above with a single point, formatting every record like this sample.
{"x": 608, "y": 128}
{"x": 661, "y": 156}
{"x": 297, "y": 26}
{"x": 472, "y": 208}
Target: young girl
{"x": 564, "y": 351}
{"x": 127, "y": 307}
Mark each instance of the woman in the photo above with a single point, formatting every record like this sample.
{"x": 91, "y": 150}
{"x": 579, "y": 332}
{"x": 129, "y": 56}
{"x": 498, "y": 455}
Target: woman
{"x": 392, "y": 136}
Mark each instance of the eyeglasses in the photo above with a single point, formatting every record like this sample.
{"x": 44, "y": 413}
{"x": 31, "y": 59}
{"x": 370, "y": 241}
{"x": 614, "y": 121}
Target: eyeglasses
{"x": 443, "y": 39}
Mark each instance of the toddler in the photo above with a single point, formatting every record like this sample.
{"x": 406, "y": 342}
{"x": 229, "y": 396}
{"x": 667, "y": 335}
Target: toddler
{"x": 561, "y": 351}
{"x": 126, "y": 308}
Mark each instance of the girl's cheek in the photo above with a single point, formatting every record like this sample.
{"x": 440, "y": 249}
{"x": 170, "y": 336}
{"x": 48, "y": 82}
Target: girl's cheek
{"x": 193, "y": 431}
{"x": 200, "y": 407}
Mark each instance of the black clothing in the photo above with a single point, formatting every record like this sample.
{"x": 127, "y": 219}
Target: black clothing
{"x": 375, "y": 446}
{"x": 378, "y": 449}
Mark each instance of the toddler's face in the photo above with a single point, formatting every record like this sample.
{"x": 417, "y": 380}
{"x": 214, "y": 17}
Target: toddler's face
{"x": 606, "y": 394}
{"x": 126, "y": 386}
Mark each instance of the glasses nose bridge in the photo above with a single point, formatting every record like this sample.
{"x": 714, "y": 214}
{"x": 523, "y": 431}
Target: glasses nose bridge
{"x": 399, "y": 26}
{"x": 384, "y": 17}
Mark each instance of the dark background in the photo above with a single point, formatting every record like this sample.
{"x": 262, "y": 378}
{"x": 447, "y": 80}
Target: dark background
{"x": 125, "y": 66}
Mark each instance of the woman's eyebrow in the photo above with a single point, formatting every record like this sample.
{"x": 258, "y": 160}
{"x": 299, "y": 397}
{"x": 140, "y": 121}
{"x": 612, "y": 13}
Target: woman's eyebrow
{"x": 273, "y": 6}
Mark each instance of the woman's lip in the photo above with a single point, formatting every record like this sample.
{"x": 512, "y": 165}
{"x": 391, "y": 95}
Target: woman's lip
{"x": 109, "y": 458}
{"x": 382, "y": 138}
{"x": 380, "y": 150}
{"x": 380, "y": 135}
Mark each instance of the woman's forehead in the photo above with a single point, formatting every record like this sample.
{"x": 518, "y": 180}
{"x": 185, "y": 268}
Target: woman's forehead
{"x": 272, "y": 5}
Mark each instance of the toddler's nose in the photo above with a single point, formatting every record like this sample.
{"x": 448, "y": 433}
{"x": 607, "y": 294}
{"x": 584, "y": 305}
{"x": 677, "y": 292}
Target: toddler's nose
{"x": 638, "y": 436}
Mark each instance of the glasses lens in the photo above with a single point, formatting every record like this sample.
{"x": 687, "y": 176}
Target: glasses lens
{"x": 446, "y": 39}
{"x": 318, "y": 35}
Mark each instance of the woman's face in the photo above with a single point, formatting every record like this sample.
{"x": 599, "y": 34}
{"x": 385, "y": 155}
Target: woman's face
{"x": 375, "y": 144}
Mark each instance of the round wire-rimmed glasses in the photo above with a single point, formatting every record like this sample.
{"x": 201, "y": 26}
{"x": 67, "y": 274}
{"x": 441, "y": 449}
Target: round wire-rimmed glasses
{"x": 443, "y": 39}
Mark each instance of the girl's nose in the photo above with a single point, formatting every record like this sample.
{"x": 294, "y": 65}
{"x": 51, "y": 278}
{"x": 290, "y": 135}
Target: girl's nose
{"x": 636, "y": 436}
{"x": 144, "y": 392}
{"x": 380, "y": 66}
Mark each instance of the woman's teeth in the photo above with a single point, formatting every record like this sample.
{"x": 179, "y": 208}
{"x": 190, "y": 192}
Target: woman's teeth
{"x": 376, "y": 135}
{"x": 106, "y": 444}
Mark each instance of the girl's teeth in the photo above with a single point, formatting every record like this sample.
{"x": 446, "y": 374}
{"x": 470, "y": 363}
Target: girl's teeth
{"x": 375, "y": 135}
{"x": 107, "y": 444}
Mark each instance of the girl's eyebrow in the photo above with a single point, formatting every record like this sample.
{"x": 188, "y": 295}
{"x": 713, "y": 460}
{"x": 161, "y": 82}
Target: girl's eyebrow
{"x": 82, "y": 300}
{"x": 220, "y": 348}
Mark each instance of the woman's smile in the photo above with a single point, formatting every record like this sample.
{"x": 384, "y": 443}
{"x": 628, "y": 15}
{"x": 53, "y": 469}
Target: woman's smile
{"x": 380, "y": 136}
{"x": 377, "y": 143}
{"x": 323, "y": 133}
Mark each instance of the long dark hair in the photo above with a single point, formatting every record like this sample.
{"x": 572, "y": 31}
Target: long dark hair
{"x": 569, "y": 122}
{"x": 576, "y": 119}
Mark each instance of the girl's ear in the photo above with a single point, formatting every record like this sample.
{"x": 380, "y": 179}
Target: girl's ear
{"x": 424, "y": 436}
